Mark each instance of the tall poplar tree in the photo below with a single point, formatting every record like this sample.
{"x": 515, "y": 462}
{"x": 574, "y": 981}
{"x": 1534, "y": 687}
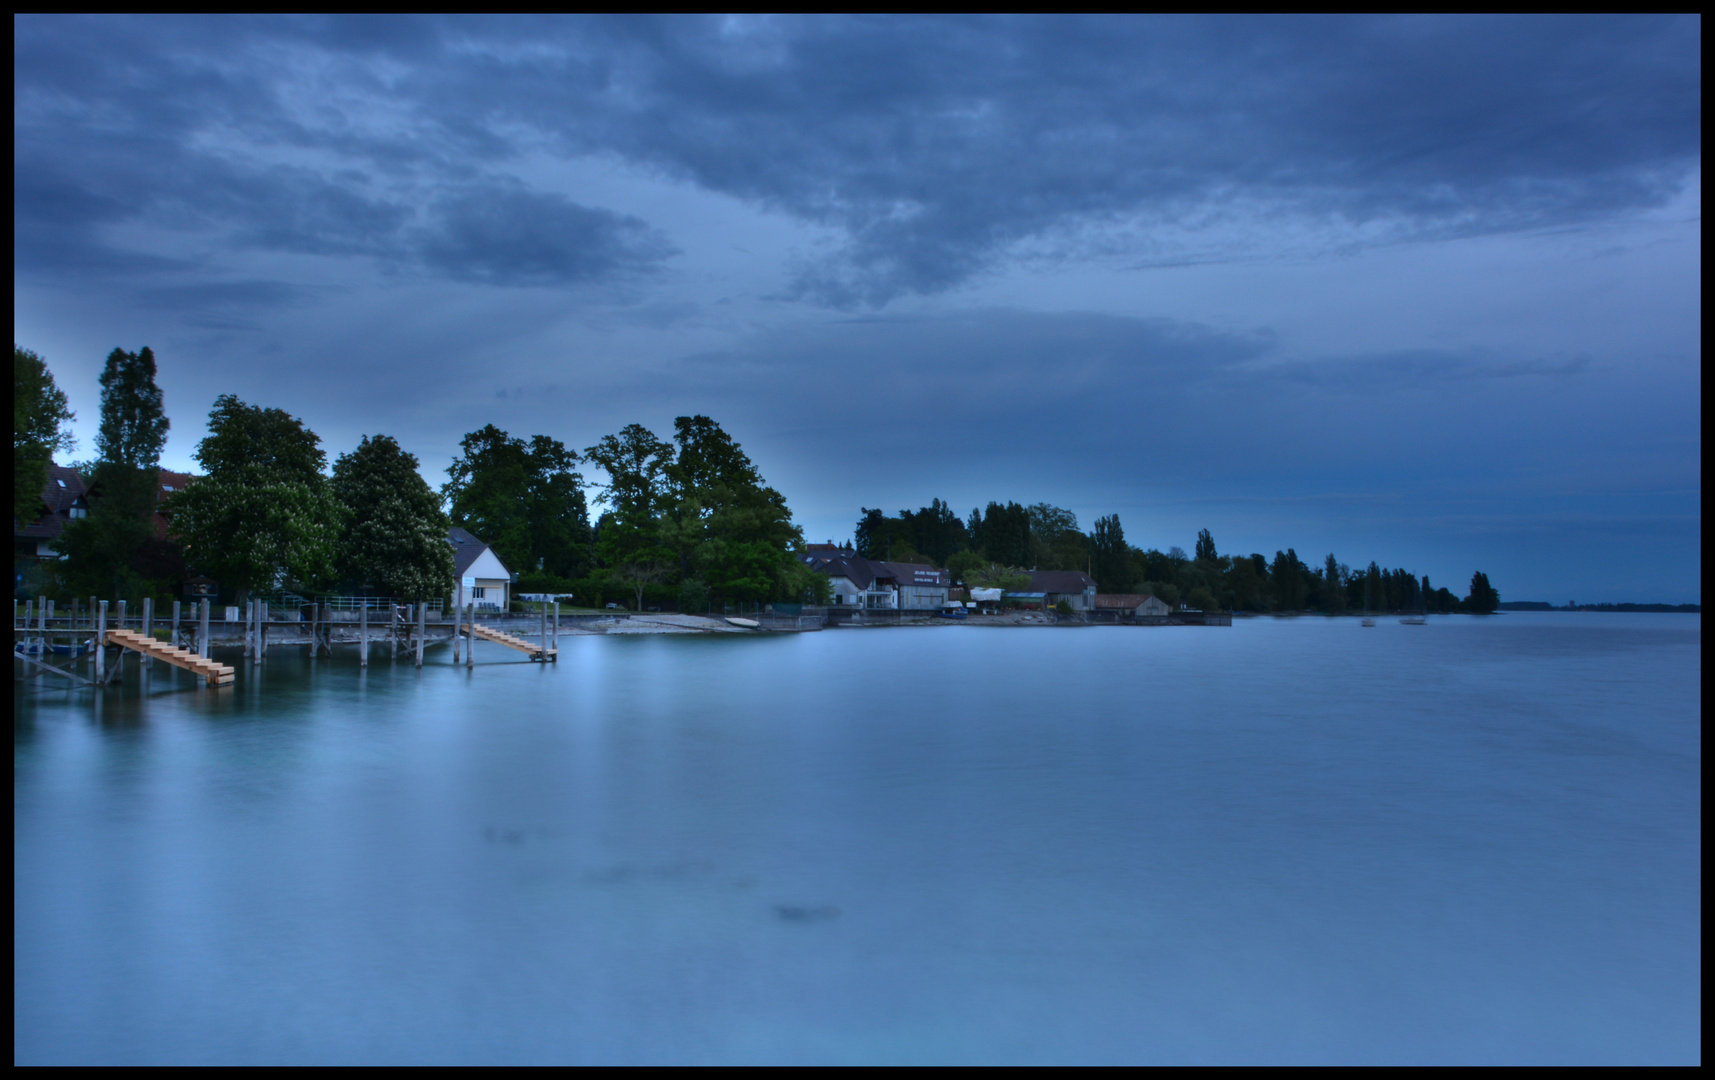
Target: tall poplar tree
{"x": 104, "y": 552}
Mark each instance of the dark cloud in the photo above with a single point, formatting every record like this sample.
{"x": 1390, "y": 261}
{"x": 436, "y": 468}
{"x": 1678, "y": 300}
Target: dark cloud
{"x": 504, "y": 235}
{"x": 933, "y": 145}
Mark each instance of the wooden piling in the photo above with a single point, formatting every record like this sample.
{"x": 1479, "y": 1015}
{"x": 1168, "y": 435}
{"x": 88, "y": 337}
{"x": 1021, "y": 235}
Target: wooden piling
{"x": 148, "y": 627}
{"x": 100, "y": 641}
{"x": 422, "y": 629}
{"x": 363, "y": 635}
{"x": 202, "y": 629}
{"x": 470, "y": 636}
{"x": 556, "y": 631}
{"x": 173, "y": 636}
{"x": 261, "y": 630}
{"x": 544, "y": 624}
{"x": 458, "y": 614}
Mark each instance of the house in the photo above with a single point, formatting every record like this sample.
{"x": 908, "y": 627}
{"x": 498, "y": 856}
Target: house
{"x": 166, "y": 483}
{"x": 874, "y": 585}
{"x": 1075, "y": 587}
{"x": 487, "y": 583}
{"x": 64, "y": 498}
{"x": 1141, "y": 604}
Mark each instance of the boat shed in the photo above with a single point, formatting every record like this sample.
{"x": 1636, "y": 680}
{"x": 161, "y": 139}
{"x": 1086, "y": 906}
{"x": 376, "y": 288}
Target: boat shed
{"x": 489, "y": 583}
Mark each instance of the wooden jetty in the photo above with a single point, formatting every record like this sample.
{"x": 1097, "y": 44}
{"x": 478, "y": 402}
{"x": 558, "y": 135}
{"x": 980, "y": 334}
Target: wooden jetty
{"x": 539, "y": 653}
{"x": 216, "y": 674}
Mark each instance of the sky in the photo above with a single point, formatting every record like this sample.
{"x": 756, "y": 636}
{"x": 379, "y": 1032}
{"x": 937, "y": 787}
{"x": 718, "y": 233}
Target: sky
{"x": 1418, "y": 290}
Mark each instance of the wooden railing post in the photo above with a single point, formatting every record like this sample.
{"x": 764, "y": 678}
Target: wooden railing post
{"x": 101, "y": 642}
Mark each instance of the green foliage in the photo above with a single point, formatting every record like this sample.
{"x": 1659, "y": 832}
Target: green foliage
{"x": 1483, "y": 598}
{"x": 39, "y": 419}
{"x": 133, "y": 427}
{"x": 964, "y": 565}
{"x": 1206, "y": 547}
{"x": 1246, "y": 586}
{"x": 262, "y": 515}
{"x": 1333, "y": 586}
{"x": 1202, "y": 599}
{"x": 996, "y": 576}
{"x": 393, "y": 538}
{"x": 1111, "y": 562}
{"x": 1064, "y": 607}
{"x": 525, "y": 500}
{"x": 693, "y": 596}
{"x": 114, "y": 551}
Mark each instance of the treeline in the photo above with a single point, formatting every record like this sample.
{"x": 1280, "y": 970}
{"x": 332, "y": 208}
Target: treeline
{"x": 998, "y": 544}
{"x": 687, "y": 521}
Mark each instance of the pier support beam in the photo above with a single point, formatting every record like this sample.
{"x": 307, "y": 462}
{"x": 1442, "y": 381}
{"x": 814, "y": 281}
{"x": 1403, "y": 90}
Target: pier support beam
{"x": 148, "y": 627}
{"x": 100, "y": 642}
{"x": 422, "y": 629}
{"x": 202, "y": 629}
{"x": 363, "y": 635}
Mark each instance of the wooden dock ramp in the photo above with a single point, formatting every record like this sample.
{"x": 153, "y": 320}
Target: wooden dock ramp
{"x": 537, "y": 652}
{"x": 216, "y": 674}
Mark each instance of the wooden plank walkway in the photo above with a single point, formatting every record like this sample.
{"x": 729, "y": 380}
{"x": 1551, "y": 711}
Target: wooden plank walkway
{"x": 216, "y": 674}
{"x": 537, "y": 652}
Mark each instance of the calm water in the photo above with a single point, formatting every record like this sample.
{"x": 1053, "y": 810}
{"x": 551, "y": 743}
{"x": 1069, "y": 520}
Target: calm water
{"x": 1291, "y": 840}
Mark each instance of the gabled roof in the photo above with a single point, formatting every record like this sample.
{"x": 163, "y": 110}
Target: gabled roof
{"x": 1122, "y": 600}
{"x": 1061, "y": 581}
{"x": 858, "y": 570}
{"x": 64, "y": 488}
{"x": 466, "y": 549}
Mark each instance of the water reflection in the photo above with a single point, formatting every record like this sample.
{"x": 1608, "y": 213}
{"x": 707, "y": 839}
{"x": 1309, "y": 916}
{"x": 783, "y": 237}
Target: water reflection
{"x": 1284, "y": 841}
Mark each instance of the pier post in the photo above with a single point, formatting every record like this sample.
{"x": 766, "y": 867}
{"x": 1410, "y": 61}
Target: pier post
{"x": 363, "y": 635}
{"x": 544, "y": 625}
{"x": 101, "y": 642}
{"x": 458, "y": 616}
{"x": 315, "y": 630}
{"x": 261, "y": 630}
{"x": 556, "y": 631}
{"x": 470, "y": 636}
{"x": 173, "y": 637}
{"x": 148, "y": 627}
{"x": 422, "y": 629}
{"x": 46, "y": 610}
{"x": 202, "y": 629}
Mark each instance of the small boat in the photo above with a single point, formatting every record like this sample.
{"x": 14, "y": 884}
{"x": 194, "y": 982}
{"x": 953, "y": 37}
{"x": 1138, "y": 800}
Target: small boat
{"x": 1413, "y": 620}
{"x": 1368, "y": 621}
{"x": 748, "y": 624}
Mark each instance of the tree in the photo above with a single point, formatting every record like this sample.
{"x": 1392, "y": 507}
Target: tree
{"x": 1111, "y": 555}
{"x": 262, "y": 516}
{"x": 525, "y": 500}
{"x": 731, "y": 530}
{"x": 104, "y": 551}
{"x": 39, "y": 419}
{"x": 1287, "y": 576}
{"x": 1375, "y": 599}
{"x": 1333, "y": 586}
{"x": 1206, "y": 547}
{"x": 394, "y": 535}
{"x": 638, "y": 489}
{"x": 1483, "y": 599}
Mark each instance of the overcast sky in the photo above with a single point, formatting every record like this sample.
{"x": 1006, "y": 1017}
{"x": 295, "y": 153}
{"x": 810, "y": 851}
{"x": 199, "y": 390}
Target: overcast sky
{"x": 1424, "y": 291}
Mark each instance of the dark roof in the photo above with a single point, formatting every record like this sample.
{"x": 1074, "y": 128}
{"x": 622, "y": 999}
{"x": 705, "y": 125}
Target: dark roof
{"x": 861, "y": 571}
{"x": 167, "y": 482}
{"x": 1061, "y": 581}
{"x": 63, "y": 489}
{"x": 466, "y": 550}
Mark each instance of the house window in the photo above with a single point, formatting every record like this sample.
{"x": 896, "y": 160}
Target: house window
{"x": 166, "y": 487}
{"x": 476, "y": 592}
{"x": 78, "y": 512}
{"x": 60, "y": 482}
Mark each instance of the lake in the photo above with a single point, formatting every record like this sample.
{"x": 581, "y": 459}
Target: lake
{"x": 1291, "y": 840}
